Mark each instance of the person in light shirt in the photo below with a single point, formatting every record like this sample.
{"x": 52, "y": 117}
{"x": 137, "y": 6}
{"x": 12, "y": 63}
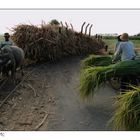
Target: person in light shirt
{"x": 7, "y": 41}
{"x": 125, "y": 51}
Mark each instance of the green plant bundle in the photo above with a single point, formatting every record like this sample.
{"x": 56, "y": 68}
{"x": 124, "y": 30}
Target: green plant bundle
{"x": 96, "y": 60}
{"x": 91, "y": 78}
{"x": 129, "y": 67}
{"x": 127, "y": 112}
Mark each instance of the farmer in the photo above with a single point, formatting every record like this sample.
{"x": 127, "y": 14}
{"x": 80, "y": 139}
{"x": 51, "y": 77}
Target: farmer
{"x": 125, "y": 51}
{"x": 7, "y": 41}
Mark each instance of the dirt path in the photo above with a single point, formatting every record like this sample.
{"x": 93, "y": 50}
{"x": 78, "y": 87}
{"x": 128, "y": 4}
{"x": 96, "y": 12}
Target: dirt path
{"x": 49, "y": 100}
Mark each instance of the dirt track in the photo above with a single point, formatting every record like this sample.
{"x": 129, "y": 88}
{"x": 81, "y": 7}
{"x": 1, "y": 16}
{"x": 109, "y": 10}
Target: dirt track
{"x": 48, "y": 100}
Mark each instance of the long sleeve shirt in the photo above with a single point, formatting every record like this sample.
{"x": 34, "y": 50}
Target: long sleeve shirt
{"x": 6, "y": 43}
{"x": 125, "y": 50}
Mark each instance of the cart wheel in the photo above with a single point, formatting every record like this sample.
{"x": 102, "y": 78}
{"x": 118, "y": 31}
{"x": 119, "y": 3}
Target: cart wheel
{"x": 115, "y": 83}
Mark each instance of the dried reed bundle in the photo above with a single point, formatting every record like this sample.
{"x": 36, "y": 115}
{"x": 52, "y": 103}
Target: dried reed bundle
{"x": 52, "y": 42}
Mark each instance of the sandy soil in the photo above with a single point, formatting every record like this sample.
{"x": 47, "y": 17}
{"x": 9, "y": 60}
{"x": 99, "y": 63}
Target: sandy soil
{"x": 48, "y": 100}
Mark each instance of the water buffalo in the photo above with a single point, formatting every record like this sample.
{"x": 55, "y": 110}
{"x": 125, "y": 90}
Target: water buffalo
{"x": 11, "y": 58}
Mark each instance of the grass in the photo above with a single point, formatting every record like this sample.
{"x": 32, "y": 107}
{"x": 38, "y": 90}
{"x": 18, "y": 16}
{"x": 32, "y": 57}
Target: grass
{"x": 127, "y": 113}
{"x": 91, "y": 79}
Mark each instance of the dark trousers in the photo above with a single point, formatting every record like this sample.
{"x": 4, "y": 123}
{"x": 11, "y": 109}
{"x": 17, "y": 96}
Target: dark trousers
{"x": 128, "y": 80}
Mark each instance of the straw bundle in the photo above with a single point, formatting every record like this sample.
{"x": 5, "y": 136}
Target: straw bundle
{"x": 127, "y": 112}
{"x": 52, "y": 42}
{"x": 92, "y": 78}
{"x": 96, "y": 60}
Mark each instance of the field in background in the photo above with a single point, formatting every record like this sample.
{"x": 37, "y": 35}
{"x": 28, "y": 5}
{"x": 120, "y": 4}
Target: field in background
{"x": 1, "y": 38}
{"x": 111, "y": 43}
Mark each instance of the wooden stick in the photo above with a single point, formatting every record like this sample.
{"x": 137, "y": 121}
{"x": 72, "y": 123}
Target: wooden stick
{"x": 71, "y": 27}
{"x": 86, "y": 28}
{"x": 35, "y": 94}
{"x": 82, "y": 27}
{"x": 66, "y": 25}
{"x": 90, "y": 29}
{"x": 61, "y": 24}
{"x": 41, "y": 123}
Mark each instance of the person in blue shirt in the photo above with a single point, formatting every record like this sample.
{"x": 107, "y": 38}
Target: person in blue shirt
{"x": 125, "y": 51}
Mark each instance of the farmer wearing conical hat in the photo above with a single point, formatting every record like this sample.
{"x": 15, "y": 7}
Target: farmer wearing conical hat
{"x": 125, "y": 51}
{"x": 7, "y": 41}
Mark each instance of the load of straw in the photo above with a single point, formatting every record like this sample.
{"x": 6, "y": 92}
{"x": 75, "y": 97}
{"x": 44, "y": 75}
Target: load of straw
{"x": 96, "y": 60}
{"x": 92, "y": 78}
{"x": 52, "y": 42}
{"x": 127, "y": 112}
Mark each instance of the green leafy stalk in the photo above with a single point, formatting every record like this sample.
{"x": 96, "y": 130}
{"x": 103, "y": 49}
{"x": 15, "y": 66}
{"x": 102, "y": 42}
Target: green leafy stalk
{"x": 127, "y": 113}
{"x": 91, "y": 78}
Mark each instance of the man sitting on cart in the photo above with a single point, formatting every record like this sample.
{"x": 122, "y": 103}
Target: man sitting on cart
{"x": 125, "y": 51}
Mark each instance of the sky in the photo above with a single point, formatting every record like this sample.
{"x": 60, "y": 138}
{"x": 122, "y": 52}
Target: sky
{"x": 104, "y": 21}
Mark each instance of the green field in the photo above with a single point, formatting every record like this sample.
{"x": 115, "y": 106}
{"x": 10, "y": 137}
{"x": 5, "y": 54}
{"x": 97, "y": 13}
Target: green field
{"x": 111, "y": 43}
{"x": 1, "y": 38}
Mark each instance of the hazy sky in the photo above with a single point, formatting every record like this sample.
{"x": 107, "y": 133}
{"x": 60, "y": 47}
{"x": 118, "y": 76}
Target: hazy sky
{"x": 104, "y": 21}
